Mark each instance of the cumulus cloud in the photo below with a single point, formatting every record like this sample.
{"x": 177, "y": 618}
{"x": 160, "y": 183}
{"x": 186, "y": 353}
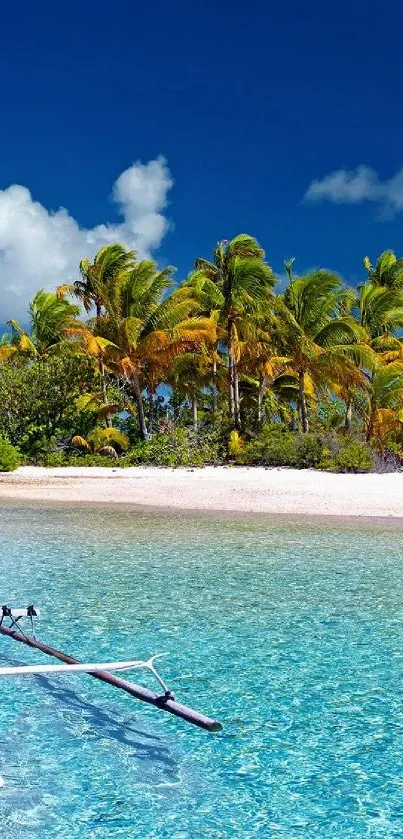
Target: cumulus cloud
{"x": 356, "y": 185}
{"x": 40, "y": 248}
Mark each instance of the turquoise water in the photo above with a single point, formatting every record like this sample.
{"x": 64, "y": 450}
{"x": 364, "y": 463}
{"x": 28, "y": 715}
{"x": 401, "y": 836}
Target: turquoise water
{"x": 290, "y": 634}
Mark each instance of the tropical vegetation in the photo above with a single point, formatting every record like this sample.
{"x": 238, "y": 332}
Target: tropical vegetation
{"x": 126, "y": 364}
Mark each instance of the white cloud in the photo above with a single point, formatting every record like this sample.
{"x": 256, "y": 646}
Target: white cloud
{"x": 42, "y": 249}
{"x": 362, "y": 184}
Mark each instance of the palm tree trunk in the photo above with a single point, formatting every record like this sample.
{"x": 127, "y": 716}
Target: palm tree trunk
{"x": 151, "y": 409}
{"x": 195, "y": 414}
{"x": 231, "y": 395}
{"x": 233, "y": 382}
{"x": 260, "y": 396}
{"x": 302, "y": 403}
{"x": 236, "y": 397}
{"x": 108, "y": 421}
{"x": 370, "y": 426}
{"x": 140, "y": 410}
{"x": 215, "y": 392}
{"x": 348, "y": 416}
{"x": 231, "y": 392}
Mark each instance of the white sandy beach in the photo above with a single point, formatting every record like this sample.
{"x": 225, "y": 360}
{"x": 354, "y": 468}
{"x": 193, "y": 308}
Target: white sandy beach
{"x": 240, "y": 489}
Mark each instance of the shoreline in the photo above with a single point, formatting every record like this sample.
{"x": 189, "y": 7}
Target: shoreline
{"x": 221, "y": 490}
{"x": 316, "y": 520}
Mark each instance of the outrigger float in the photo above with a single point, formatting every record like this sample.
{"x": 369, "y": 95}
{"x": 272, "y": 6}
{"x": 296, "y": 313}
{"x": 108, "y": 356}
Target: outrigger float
{"x": 10, "y": 627}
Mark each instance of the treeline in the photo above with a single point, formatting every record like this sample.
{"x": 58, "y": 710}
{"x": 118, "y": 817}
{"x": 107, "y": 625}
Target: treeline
{"x": 220, "y": 366}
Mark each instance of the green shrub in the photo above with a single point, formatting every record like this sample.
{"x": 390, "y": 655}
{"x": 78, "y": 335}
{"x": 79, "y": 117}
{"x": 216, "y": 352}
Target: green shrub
{"x": 56, "y": 459}
{"x": 277, "y": 447}
{"x": 354, "y": 456}
{"x": 180, "y": 448}
{"x": 38, "y": 401}
{"x": 308, "y": 450}
{"x": 9, "y": 456}
{"x": 53, "y": 459}
{"x": 274, "y": 447}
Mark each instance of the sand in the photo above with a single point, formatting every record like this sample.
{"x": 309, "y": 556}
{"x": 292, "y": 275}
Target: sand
{"x": 226, "y": 489}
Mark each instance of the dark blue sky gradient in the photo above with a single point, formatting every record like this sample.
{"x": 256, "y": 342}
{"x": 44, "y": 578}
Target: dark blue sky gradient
{"x": 248, "y": 102}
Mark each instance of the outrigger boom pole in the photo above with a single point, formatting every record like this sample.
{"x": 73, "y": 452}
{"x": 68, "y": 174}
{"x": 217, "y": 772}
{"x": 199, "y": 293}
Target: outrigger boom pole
{"x": 164, "y": 702}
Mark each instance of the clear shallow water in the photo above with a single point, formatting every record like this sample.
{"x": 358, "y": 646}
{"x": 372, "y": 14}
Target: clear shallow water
{"x": 290, "y": 634}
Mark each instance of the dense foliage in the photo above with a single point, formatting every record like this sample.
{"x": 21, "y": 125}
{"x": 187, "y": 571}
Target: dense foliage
{"x": 125, "y": 364}
{"x": 39, "y": 401}
{"x": 9, "y": 456}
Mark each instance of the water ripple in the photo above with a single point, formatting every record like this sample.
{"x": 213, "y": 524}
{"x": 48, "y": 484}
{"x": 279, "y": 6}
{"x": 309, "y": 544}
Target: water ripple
{"x": 288, "y": 633}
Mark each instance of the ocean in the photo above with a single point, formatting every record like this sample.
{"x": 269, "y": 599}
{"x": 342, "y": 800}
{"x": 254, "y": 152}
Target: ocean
{"x": 288, "y": 632}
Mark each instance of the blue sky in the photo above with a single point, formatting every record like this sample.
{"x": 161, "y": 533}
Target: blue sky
{"x": 248, "y": 103}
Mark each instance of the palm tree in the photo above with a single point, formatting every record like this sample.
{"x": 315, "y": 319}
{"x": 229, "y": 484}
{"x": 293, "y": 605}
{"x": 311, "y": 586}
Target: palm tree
{"x": 88, "y": 345}
{"x": 385, "y": 403}
{"x": 148, "y": 331}
{"x": 210, "y": 301}
{"x": 244, "y": 282}
{"x": 94, "y": 288}
{"x": 190, "y": 376}
{"x": 49, "y": 320}
{"x": 388, "y": 271}
{"x": 323, "y": 342}
{"x": 259, "y": 362}
{"x": 97, "y": 277}
{"x": 380, "y": 310}
{"x": 104, "y": 441}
